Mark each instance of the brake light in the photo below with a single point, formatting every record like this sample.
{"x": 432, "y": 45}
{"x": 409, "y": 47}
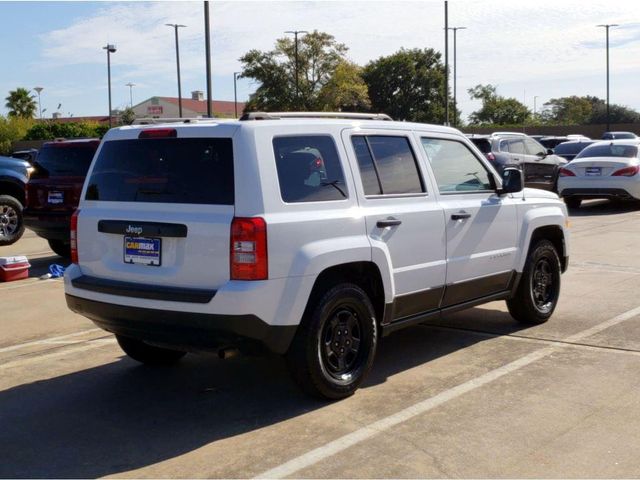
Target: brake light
{"x": 626, "y": 172}
{"x": 565, "y": 172}
{"x": 491, "y": 157}
{"x": 74, "y": 236}
{"x": 248, "y": 256}
{"x": 158, "y": 133}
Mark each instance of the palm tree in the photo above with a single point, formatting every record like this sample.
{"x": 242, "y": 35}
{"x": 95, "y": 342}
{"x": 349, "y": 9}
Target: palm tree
{"x": 21, "y": 103}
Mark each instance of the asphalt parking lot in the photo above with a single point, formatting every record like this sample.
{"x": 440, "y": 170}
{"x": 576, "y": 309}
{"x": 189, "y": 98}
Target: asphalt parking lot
{"x": 471, "y": 395}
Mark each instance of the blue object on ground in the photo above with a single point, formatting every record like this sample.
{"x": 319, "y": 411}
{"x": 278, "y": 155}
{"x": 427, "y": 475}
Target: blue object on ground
{"x": 56, "y": 270}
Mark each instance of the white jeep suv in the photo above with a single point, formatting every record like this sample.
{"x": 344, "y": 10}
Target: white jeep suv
{"x": 312, "y": 237}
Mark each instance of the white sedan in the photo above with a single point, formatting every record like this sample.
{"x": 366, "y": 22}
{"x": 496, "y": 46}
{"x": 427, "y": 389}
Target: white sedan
{"x": 607, "y": 169}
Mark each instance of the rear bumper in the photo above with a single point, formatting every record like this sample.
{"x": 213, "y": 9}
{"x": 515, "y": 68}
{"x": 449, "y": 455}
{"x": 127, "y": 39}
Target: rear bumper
{"x": 49, "y": 225}
{"x": 184, "y": 330}
{"x": 620, "y": 193}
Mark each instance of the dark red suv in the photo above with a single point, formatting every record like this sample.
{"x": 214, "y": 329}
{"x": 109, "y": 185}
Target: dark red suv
{"x": 54, "y": 188}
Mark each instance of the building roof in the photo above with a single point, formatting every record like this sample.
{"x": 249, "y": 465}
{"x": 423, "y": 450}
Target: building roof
{"x": 222, "y": 107}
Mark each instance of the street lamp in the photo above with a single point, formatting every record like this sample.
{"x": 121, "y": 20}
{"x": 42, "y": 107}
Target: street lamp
{"x": 130, "y": 85}
{"x": 176, "y": 26}
{"x": 110, "y": 49}
{"x": 455, "y": 75}
{"x": 235, "y": 92}
{"x": 295, "y": 34}
{"x": 607, "y": 26}
{"x": 39, "y": 89}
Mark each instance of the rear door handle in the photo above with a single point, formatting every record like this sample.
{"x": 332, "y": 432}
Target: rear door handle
{"x": 460, "y": 216}
{"x": 389, "y": 222}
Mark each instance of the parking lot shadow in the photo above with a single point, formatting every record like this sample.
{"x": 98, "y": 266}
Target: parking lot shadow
{"x": 593, "y": 208}
{"x": 121, "y": 416}
{"x": 40, "y": 266}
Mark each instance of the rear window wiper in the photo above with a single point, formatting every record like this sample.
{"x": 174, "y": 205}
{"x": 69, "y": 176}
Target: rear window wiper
{"x": 334, "y": 184}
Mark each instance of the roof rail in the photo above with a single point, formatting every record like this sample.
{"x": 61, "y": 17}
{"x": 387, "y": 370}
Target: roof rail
{"x": 515, "y": 134}
{"x": 340, "y": 115}
{"x": 155, "y": 121}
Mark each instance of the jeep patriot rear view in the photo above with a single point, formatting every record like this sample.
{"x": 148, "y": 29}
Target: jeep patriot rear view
{"x": 312, "y": 237}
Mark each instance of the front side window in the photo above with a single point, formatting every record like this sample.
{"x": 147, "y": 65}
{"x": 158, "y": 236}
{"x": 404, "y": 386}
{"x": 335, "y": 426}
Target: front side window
{"x": 387, "y": 165}
{"x": 516, "y": 146}
{"x": 456, "y": 169}
{"x": 309, "y": 169}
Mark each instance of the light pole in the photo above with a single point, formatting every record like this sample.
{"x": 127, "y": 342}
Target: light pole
{"x": 446, "y": 62}
{"x": 130, "y": 85}
{"x": 295, "y": 34}
{"x": 607, "y": 26}
{"x": 235, "y": 92}
{"x": 455, "y": 75}
{"x": 110, "y": 49}
{"x": 535, "y": 104}
{"x": 175, "y": 27}
{"x": 39, "y": 89}
{"x": 207, "y": 49}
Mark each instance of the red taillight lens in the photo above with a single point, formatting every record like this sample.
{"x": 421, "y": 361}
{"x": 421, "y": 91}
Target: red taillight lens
{"x": 565, "y": 172}
{"x": 626, "y": 172}
{"x": 158, "y": 133}
{"x": 491, "y": 157}
{"x": 74, "y": 236}
{"x": 248, "y": 256}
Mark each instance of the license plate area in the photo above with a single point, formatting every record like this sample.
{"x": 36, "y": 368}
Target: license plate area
{"x": 593, "y": 171}
{"x": 143, "y": 251}
{"x": 55, "y": 198}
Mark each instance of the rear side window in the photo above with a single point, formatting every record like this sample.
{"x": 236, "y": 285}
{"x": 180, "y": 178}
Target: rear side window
{"x": 609, "y": 150}
{"x": 309, "y": 169}
{"x": 387, "y": 165}
{"x": 164, "y": 170}
{"x": 65, "y": 159}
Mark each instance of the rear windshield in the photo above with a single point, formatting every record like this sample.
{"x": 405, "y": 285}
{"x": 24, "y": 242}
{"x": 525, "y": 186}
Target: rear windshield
{"x": 65, "y": 159}
{"x": 611, "y": 150}
{"x": 164, "y": 170}
{"x": 570, "y": 148}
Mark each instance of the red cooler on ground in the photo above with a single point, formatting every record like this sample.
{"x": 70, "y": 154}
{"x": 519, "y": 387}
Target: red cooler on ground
{"x": 13, "y": 268}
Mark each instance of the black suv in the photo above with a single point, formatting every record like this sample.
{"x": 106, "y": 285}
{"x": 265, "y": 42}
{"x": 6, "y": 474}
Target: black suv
{"x": 14, "y": 173}
{"x": 506, "y": 149}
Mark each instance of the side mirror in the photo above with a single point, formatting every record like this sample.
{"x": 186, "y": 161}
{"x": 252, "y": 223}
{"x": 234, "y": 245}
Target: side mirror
{"x": 549, "y": 151}
{"x": 512, "y": 181}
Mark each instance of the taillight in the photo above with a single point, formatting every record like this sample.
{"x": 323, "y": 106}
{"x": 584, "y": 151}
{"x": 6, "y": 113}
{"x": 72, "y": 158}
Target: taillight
{"x": 248, "y": 256}
{"x": 491, "y": 157}
{"x": 74, "y": 236}
{"x": 626, "y": 171}
{"x": 158, "y": 133}
{"x": 565, "y": 172}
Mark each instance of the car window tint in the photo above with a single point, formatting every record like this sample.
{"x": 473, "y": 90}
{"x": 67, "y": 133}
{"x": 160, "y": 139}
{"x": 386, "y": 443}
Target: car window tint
{"x": 395, "y": 163}
{"x": 309, "y": 169}
{"x": 456, "y": 169}
{"x": 65, "y": 159}
{"x": 483, "y": 144}
{"x": 370, "y": 181}
{"x": 516, "y": 146}
{"x": 164, "y": 170}
{"x": 609, "y": 150}
{"x": 504, "y": 145}
{"x": 534, "y": 148}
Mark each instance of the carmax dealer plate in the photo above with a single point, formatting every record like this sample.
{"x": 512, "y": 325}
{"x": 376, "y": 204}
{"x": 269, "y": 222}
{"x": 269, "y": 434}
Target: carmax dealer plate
{"x": 143, "y": 251}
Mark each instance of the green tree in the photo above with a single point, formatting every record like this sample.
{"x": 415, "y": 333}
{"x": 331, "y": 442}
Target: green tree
{"x": 345, "y": 90}
{"x": 408, "y": 85}
{"x": 127, "y": 116}
{"x": 21, "y": 103}
{"x": 12, "y": 129}
{"x": 496, "y": 109}
{"x": 571, "y": 110}
{"x": 318, "y": 57}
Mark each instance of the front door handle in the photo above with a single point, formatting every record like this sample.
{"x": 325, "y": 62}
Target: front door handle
{"x": 460, "y": 215}
{"x": 389, "y": 222}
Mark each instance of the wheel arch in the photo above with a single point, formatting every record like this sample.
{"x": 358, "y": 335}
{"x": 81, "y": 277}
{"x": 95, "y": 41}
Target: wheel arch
{"x": 555, "y": 234}
{"x": 12, "y": 187}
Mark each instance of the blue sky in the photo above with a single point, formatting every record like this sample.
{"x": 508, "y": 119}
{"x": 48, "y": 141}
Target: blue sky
{"x": 540, "y": 49}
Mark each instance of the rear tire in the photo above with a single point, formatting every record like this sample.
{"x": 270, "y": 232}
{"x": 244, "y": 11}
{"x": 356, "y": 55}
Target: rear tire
{"x": 148, "y": 354}
{"x": 11, "y": 221}
{"x": 573, "y": 202}
{"x": 335, "y": 343}
{"x": 61, "y": 248}
{"x": 539, "y": 289}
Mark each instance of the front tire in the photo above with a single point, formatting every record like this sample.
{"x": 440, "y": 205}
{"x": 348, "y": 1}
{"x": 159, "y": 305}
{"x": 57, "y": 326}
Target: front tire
{"x": 60, "y": 248}
{"x": 573, "y": 202}
{"x": 335, "y": 343}
{"x": 148, "y": 354}
{"x": 539, "y": 289}
{"x": 11, "y": 221}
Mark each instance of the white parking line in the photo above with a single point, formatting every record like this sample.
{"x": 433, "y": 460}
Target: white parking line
{"x": 28, "y": 283}
{"x": 339, "y": 445}
{"x": 48, "y": 341}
